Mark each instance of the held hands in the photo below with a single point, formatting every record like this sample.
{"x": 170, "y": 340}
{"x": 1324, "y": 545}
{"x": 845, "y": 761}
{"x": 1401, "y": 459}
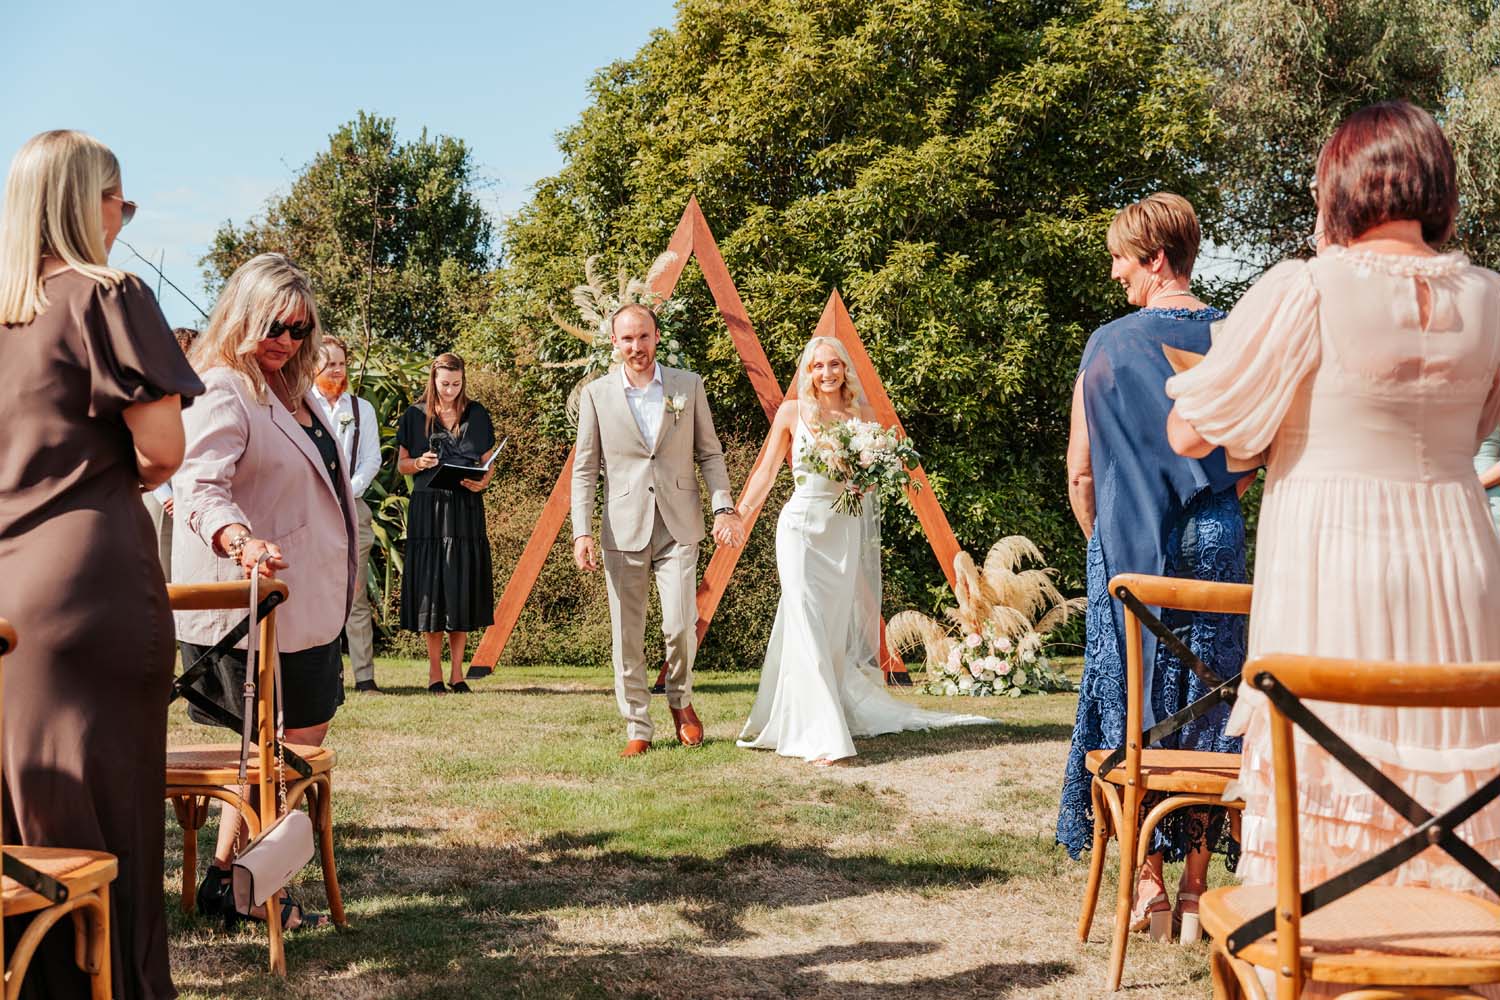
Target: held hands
{"x": 729, "y": 530}
{"x": 585, "y": 555}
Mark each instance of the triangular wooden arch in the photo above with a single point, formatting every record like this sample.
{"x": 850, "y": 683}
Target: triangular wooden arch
{"x": 693, "y": 238}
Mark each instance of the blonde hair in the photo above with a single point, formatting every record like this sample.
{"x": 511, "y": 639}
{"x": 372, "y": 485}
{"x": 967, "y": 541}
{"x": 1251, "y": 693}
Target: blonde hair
{"x": 1163, "y": 222}
{"x": 54, "y": 205}
{"x": 265, "y": 288}
{"x": 853, "y": 392}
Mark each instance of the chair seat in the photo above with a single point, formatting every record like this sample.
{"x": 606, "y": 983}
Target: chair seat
{"x": 80, "y": 871}
{"x": 1198, "y": 771}
{"x": 219, "y": 763}
{"x": 1386, "y": 934}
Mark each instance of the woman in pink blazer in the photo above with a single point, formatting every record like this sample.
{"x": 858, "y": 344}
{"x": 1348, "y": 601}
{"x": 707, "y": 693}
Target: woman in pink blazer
{"x": 263, "y": 477}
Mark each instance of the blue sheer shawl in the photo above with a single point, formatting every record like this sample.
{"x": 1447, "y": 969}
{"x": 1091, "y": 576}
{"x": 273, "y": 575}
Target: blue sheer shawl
{"x": 1141, "y": 486}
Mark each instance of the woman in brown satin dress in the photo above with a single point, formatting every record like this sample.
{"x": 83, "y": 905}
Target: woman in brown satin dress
{"x": 92, "y": 413}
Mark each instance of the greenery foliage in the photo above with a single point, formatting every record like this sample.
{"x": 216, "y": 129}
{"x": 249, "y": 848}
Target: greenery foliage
{"x": 1285, "y": 72}
{"x": 371, "y": 218}
{"x": 950, "y": 166}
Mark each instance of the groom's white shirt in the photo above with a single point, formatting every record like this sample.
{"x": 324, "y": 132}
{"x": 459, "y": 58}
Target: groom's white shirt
{"x": 646, "y": 405}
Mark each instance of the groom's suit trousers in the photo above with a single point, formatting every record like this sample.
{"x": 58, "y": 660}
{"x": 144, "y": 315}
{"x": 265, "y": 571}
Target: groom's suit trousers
{"x": 628, "y": 576}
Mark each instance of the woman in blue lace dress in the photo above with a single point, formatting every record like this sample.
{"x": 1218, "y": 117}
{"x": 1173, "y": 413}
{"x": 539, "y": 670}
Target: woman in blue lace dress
{"x": 1144, "y": 509}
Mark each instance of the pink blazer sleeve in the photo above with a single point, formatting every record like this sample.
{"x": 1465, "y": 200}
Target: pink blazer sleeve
{"x": 217, "y": 428}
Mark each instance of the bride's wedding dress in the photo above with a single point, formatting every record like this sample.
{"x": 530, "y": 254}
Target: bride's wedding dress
{"x": 821, "y": 685}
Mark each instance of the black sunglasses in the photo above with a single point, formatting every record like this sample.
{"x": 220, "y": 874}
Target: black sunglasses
{"x": 298, "y": 332}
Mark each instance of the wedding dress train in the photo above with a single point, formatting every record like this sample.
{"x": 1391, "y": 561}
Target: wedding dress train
{"x": 821, "y": 685}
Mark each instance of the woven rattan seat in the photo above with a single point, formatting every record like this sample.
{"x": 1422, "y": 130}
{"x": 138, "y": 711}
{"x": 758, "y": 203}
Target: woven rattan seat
{"x": 1175, "y": 770}
{"x": 219, "y": 763}
{"x": 80, "y": 871}
{"x": 1452, "y": 937}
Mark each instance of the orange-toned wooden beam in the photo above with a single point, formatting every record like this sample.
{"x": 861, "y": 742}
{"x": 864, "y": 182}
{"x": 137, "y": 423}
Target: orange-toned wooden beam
{"x": 691, "y": 238}
{"x": 836, "y": 322}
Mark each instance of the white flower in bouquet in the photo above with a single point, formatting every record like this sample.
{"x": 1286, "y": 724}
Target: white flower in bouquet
{"x": 950, "y": 689}
{"x": 1003, "y": 644}
{"x": 988, "y": 676}
{"x": 862, "y": 456}
{"x": 976, "y": 667}
{"x": 1002, "y": 667}
{"x": 973, "y": 640}
{"x": 966, "y": 683}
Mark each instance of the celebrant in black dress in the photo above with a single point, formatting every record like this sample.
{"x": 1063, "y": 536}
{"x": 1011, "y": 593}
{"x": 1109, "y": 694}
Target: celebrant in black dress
{"x": 446, "y": 586}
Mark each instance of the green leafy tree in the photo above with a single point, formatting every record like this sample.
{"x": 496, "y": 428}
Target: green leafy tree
{"x": 392, "y": 234}
{"x": 1285, "y": 72}
{"x": 950, "y": 165}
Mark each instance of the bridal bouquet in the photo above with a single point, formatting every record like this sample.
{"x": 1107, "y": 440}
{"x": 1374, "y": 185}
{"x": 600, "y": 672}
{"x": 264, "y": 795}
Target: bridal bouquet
{"x": 862, "y": 456}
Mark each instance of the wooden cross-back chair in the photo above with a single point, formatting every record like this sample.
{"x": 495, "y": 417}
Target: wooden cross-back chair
{"x": 55, "y": 882}
{"x": 200, "y": 772}
{"x": 1397, "y": 940}
{"x": 1123, "y": 777}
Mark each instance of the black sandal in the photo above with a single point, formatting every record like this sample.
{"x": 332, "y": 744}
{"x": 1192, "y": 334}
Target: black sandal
{"x": 214, "y": 892}
{"x": 293, "y": 918}
{"x": 436, "y": 687}
{"x": 461, "y": 687}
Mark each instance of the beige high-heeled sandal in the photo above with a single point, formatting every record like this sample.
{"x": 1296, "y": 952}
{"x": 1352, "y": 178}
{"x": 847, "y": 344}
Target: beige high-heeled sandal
{"x": 1189, "y": 928}
{"x": 1155, "y": 916}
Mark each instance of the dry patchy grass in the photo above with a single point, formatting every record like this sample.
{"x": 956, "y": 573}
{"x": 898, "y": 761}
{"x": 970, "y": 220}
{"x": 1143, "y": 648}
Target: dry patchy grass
{"x": 495, "y": 846}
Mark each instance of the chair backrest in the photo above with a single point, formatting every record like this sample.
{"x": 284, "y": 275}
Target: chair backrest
{"x": 236, "y": 595}
{"x": 1164, "y": 592}
{"x": 1288, "y": 681}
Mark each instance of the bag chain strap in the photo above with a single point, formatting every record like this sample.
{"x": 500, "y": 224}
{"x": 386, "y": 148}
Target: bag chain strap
{"x": 252, "y": 671}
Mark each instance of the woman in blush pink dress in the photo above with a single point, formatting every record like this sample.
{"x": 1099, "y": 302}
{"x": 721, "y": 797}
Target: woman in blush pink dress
{"x": 1370, "y": 375}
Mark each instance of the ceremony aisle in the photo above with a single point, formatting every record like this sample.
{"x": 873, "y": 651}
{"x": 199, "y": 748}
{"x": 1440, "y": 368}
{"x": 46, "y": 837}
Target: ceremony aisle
{"x": 494, "y": 846}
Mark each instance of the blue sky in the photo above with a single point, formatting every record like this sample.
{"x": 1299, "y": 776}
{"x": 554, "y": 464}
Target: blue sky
{"x": 213, "y": 107}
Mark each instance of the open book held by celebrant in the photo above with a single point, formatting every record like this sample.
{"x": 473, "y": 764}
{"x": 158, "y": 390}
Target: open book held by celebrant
{"x": 449, "y": 474}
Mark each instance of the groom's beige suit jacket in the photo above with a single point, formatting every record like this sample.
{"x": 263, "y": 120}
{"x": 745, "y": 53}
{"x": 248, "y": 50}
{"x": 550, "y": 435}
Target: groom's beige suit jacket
{"x": 643, "y": 477}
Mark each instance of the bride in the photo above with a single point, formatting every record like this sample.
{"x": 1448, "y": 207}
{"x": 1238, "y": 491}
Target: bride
{"x": 821, "y": 684}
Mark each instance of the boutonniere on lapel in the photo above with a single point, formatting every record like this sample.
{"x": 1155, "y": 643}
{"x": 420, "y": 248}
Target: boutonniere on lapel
{"x": 675, "y": 405}
{"x": 345, "y": 419}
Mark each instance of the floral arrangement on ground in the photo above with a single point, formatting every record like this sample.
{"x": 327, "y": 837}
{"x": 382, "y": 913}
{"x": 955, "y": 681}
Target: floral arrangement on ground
{"x": 993, "y": 642}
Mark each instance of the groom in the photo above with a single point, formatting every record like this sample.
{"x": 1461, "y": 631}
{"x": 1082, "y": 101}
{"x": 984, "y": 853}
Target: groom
{"x": 645, "y": 426}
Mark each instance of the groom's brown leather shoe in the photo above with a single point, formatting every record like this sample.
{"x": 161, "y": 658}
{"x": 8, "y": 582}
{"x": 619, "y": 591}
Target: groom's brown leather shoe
{"x": 689, "y": 729}
{"x": 635, "y": 748}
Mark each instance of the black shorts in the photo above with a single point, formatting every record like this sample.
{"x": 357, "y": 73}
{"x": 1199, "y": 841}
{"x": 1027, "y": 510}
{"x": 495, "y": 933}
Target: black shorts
{"x": 312, "y": 682}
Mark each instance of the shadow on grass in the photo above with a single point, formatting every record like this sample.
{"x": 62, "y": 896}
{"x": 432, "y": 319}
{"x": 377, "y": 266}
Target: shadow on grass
{"x": 957, "y": 739}
{"x": 460, "y": 922}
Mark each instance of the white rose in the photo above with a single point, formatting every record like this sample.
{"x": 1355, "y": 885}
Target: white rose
{"x": 1003, "y": 644}
{"x": 966, "y": 683}
{"x": 1003, "y": 667}
{"x": 972, "y": 640}
{"x": 976, "y": 667}
{"x": 950, "y": 689}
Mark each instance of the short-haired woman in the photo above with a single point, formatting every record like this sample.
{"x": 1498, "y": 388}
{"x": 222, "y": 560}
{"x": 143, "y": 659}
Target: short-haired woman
{"x": 263, "y": 477}
{"x": 1370, "y": 373}
{"x": 445, "y": 583}
{"x": 92, "y": 414}
{"x": 1147, "y": 510}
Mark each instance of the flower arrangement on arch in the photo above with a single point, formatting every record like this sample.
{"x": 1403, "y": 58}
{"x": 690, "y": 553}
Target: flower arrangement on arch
{"x": 993, "y": 641}
{"x": 597, "y": 303}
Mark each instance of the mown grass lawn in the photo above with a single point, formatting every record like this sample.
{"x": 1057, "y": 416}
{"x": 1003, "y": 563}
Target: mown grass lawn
{"x": 494, "y": 846}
